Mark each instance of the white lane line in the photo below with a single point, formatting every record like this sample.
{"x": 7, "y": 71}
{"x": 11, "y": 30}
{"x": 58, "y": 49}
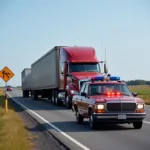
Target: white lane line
{"x": 146, "y": 122}
{"x": 57, "y": 129}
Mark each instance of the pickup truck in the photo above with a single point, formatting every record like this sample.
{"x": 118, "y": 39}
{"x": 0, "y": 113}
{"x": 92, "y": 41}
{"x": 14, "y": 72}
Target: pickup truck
{"x": 105, "y": 99}
{"x": 8, "y": 88}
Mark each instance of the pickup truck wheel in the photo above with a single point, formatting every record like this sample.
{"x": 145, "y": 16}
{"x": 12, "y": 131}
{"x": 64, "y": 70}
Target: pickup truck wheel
{"x": 138, "y": 125}
{"x": 79, "y": 118}
{"x": 92, "y": 121}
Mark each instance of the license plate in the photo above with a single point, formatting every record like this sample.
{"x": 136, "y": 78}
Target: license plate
{"x": 122, "y": 117}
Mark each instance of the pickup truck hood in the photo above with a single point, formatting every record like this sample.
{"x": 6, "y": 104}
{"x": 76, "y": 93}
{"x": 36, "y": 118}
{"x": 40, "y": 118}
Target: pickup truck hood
{"x": 83, "y": 75}
{"x": 115, "y": 98}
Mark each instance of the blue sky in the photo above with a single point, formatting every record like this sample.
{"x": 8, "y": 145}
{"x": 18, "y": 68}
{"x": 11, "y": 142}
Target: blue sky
{"x": 29, "y": 28}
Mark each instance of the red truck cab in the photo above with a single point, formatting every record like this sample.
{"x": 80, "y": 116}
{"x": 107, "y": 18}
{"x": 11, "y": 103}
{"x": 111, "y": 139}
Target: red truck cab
{"x": 105, "y": 99}
{"x": 76, "y": 65}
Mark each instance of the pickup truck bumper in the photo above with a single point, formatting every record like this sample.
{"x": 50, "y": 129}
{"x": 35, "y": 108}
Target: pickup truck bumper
{"x": 119, "y": 117}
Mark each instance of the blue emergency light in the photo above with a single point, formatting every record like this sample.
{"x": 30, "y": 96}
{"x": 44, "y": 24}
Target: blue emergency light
{"x": 98, "y": 78}
{"x": 101, "y": 78}
{"x": 114, "y": 78}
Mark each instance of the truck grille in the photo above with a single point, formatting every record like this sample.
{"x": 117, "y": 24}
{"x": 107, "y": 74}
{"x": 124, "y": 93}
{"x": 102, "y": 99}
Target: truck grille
{"x": 121, "y": 107}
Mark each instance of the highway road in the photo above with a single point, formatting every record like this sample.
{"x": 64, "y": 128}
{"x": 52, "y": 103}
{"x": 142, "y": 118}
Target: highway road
{"x": 61, "y": 122}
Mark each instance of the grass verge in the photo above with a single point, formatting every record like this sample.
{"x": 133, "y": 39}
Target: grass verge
{"x": 143, "y": 92}
{"x": 13, "y": 135}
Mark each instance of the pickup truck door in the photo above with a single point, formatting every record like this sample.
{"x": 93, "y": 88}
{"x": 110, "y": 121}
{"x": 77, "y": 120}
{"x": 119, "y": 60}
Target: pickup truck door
{"x": 85, "y": 101}
{"x": 80, "y": 100}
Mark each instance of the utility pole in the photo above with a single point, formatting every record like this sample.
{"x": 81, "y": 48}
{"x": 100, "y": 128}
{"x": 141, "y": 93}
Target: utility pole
{"x": 105, "y": 55}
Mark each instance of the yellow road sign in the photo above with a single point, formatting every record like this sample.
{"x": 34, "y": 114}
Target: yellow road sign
{"x": 6, "y": 74}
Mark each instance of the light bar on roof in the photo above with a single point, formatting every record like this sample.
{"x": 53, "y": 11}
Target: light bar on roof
{"x": 114, "y": 78}
{"x": 101, "y": 78}
{"x": 98, "y": 78}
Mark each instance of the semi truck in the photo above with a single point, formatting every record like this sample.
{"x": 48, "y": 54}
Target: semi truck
{"x": 60, "y": 73}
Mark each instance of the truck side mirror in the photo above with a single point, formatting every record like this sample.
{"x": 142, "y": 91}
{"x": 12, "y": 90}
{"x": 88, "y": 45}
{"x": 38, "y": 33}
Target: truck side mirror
{"x": 134, "y": 94}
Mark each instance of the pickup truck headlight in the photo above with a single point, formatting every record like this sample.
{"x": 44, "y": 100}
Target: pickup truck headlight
{"x": 100, "y": 106}
{"x": 73, "y": 92}
{"x": 140, "y": 106}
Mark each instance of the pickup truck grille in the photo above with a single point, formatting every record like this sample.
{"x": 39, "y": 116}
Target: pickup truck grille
{"x": 121, "y": 107}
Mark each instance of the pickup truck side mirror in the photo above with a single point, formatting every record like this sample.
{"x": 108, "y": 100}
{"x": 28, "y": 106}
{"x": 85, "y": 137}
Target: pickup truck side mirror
{"x": 134, "y": 94}
{"x": 84, "y": 94}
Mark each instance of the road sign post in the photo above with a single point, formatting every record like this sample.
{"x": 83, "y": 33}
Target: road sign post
{"x": 6, "y": 74}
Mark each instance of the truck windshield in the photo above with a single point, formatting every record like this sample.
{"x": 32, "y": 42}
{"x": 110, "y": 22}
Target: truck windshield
{"x": 84, "y": 67}
{"x": 104, "y": 89}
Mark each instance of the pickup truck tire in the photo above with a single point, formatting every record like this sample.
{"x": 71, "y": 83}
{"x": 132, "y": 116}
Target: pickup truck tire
{"x": 138, "y": 125}
{"x": 92, "y": 121}
{"x": 79, "y": 118}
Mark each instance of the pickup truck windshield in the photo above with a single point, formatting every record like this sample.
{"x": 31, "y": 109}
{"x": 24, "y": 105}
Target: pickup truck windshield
{"x": 102, "y": 89}
{"x": 84, "y": 67}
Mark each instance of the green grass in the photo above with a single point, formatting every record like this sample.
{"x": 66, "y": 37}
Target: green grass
{"x": 13, "y": 135}
{"x": 143, "y": 92}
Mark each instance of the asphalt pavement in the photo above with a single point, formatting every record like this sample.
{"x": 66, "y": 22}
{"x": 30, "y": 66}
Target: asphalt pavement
{"x": 61, "y": 122}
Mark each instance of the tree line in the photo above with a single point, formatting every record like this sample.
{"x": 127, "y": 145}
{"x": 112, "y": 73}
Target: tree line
{"x": 138, "y": 82}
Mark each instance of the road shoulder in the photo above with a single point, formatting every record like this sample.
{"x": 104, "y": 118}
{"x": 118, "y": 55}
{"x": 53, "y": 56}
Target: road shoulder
{"x": 42, "y": 139}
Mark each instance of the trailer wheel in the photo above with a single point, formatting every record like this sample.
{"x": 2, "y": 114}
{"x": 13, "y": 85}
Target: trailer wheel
{"x": 53, "y": 97}
{"x": 34, "y": 95}
{"x": 50, "y": 95}
{"x": 25, "y": 93}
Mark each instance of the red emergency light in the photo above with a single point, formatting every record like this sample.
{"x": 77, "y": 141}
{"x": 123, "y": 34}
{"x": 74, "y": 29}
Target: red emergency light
{"x": 113, "y": 93}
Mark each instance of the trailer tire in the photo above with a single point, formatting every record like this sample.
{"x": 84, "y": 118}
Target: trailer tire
{"x": 34, "y": 95}
{"x": 53, "y": 96}
{"x": 25, "y": 93}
